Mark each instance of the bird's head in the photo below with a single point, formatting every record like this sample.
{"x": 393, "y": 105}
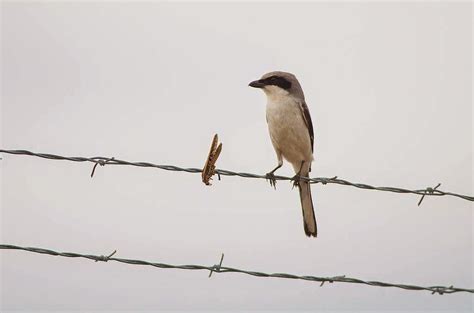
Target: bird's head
{"x": 279, "y": 84}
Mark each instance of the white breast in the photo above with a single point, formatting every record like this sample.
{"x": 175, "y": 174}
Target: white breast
{"x": 288, "y": 131}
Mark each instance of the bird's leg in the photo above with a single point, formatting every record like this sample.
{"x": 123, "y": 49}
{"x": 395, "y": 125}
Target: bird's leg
{"x": 297, "y": 177}
{"x": 271, "y": 177}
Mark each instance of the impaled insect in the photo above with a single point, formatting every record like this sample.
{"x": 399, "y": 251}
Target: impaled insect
{"x": 210, "y": 167}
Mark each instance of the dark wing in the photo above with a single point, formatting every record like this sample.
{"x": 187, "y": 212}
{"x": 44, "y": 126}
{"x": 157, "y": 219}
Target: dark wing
{"x": 308, "y": 122}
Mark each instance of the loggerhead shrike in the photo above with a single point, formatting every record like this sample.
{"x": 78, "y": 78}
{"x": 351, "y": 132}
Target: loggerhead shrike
{"x": 291, "y": 133}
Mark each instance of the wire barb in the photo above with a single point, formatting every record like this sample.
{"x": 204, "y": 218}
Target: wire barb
{"x": 104, "y": 258}
{"x": 224, "y": 269}
{"x": 332, "y": 279}
{"x": 325, "y": 181}
{"x": 428, "y": 191}
{"x": 101, "y": 162}
{"x": 217, "y": 267}
{"x": 315, "y": 180}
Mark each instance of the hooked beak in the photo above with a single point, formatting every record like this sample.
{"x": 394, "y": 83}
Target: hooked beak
{"x": 257, "y": 84}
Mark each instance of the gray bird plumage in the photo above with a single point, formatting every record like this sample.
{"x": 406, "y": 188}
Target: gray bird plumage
{"x": 291, "y": 133}
{"x": 295, "y": 88}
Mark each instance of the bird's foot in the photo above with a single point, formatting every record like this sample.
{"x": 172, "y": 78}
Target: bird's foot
{"x": 296, "y": 180}
{"x": 271, "y": 178}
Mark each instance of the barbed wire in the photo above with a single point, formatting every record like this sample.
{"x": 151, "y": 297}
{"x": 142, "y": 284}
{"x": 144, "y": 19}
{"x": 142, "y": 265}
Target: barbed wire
{"x": 429, "y": 191}
{"x": 218, "y": 268}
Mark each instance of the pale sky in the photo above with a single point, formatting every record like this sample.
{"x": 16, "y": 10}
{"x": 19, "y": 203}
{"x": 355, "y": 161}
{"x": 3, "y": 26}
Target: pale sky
{"x": 389, "y": 89}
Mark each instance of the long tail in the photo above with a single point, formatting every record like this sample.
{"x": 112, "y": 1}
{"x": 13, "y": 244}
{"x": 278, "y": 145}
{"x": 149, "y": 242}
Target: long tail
{"x": 309, "y": 219}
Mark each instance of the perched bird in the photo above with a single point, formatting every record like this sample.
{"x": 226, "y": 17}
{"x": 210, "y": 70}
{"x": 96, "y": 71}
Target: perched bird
{"x": 291, "y": 133}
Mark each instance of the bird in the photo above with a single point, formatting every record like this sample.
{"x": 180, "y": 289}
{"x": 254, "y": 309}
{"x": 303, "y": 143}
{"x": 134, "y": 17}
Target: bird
{"x": 291, "y": 133}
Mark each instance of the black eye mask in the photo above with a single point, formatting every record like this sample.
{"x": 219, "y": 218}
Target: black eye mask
{"x": 277, "y": 81}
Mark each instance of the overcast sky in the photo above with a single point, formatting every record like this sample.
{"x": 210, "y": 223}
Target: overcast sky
{"x": 389, "y": 90}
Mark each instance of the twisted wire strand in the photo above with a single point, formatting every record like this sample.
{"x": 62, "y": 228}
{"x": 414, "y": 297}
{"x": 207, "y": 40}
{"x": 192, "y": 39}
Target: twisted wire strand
{"x": 98, "y": 160}
{"x": 225, "y": 269}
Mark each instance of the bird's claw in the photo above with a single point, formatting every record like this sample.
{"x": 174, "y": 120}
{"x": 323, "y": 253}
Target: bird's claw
{"x": 271, "y": 178}
{"x": 296, "y": 181}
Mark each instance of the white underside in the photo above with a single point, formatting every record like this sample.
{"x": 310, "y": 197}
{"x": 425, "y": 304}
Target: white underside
{"x": 291, "y": 140}
{"x": 288, "y": 131}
